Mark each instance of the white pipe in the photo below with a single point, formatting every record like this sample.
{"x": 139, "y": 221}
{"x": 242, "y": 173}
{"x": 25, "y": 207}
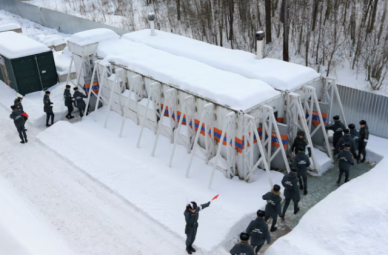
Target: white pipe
{"x": 126, "y": 107}
{"x": 109, "y": 105}
{"x": 152, "y": 23}
{"x": 90, "y": 89}
{"x": 145, "y": 116}
{"x": 259, "y": 49}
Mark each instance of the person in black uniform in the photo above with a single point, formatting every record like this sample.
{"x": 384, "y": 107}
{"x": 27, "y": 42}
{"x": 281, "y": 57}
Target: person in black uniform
{"x": 300, "y": 141}
{"x": 301, "y": 163}
{"x": 19, "y": 122}
{"x": 345, "y": 161}
{"x": 191, "y": 216}
{"x": 258, "y": 230}
{"x": 48, "y": 109}
{"x": 347, "y": 138}
{"x": 242, "y": 248}
{"x": 354, "y": 134}
{"x": 68, "y": 102}
{"x": 364, "y": 136}
{"x": 79, "y": 101}
{"x": 273, "y": 208}
{"x": 291, "y": 191}
{"x": 338, "y": 128}
{"x": 18, "y": 104}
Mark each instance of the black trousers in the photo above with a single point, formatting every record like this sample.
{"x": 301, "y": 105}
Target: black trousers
{"x": 346, "y": 172}
{"x": 191, "y": 233}
{"x": 69, "y": 110}
{"x": 81, "y": 110}
{"x": 22, "y": 133}
{"x": 287, "y": 203}
{"x": 303, "y": 181}
{"x": 48, "y": 115}
{"x": 336, "y": 138}
{"x": 361, "y": 149}
{"x": 274, "y": 219}
{"x": 256, "y": 249}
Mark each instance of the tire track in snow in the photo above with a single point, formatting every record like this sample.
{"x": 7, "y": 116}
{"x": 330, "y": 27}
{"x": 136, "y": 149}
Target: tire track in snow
{"x": 89, "y": 218}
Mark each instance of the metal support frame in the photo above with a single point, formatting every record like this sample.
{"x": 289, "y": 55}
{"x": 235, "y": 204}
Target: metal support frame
{"x": 188, "y": 110}
{"x": 250, "y": 130}
{"x": 117, "y": 83}
{"x": 170, "y": 104}
{"x": 102, "y": 77}
{"x": 132, "y": 89}
{"x": 296, "y": 119}
{"x": 329, "y": 91}
{"x": 84, "y": 62}
{"x": 269, "y": 129}
{"x": 229, "y": 125}
{"x": 314, "y": 101}
{"x": 206, "y": 118}
{"x": 153, "y": 95}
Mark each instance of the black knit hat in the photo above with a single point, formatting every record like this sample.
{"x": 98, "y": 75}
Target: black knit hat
{"x": 300, "y": 133}
{"x": 336, "y": 117}
{"x": 47, "y": 92}
{"x": 260, "y": 213}
{"x": 276, "y": 188}
{"x": 67, "y": 86}
{"x": 300, "y": 148}
{"x": 346, "y": 145}
{"x": 363, "y": 122}
{"x": 351, "y": 126}
{"x": 75, "y": 88}
{"x": 346, "y": 131}
{"x": 294, "y": 170}
{"x": 244, "y": 236}
{"x": 13, "y": 107}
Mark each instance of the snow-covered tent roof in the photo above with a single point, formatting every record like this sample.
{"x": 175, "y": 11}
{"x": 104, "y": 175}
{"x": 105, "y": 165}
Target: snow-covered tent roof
{"x": 279, "y": 74}
{"x": 93, "y": 36}
{"x": 9, "y": 26}
{"x": 14, "y": 45}
{"x": 224, "y": 88}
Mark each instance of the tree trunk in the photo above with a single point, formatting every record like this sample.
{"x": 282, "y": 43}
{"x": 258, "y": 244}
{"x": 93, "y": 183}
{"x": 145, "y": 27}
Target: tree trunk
{"x": 373, "y": 17}
{"x": 286, "y": 32}
{"x": 231, "y": 16}
{"x": 268, "y": 26}
{"x": 315, "y": 14}
{"x": 178, "y": 9}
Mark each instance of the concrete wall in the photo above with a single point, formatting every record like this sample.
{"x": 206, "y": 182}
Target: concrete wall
{"x": 63, "y": 22}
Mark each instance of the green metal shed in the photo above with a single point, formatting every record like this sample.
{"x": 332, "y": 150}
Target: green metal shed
{"x": 26, "y": 65}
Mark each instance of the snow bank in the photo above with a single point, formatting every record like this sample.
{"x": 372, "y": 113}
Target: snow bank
{"x": 93, "y": 36}
{"x": 351, "y": 220}
{"x": 14, "y": 45}
{"x": 223, "y": 87}
{"x": 62, "y": 62}
{"x": 50, "y": 40}
{"x": 150, "y": 185}
{"x": 323, "y": 161}
{"x": 33, "y": 103}
{"x": 9, "y": 26}
{"x": 21, "y": 231}
{"x": 279, "y": 74}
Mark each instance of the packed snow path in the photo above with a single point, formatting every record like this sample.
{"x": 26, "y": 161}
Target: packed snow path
{"x": 88, "y": 217}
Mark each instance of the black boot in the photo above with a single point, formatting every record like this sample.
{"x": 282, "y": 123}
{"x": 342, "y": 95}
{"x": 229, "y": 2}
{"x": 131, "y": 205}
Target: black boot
{"x": 363, "y": 160}
{"x": 297, "y": 210}
{"x": 48, "y": 125}
{"x": 282, "y": 217}
{"x": 274, "y": 229}
{"x": 189, "y": 250}
{"x": 301, "y": 187}
{"x": 305, "y": 192}
{"x": 21, "y": 141}
{"x": 192, "y": 249}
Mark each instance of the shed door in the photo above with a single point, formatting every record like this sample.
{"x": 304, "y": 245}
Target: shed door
{"x": 47, "y": 69}
{"x": 26, "y": 75}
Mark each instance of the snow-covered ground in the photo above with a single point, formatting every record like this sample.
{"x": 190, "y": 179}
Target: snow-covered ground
{"x": 22, "y": 231}
{"x": 151, "y": 186}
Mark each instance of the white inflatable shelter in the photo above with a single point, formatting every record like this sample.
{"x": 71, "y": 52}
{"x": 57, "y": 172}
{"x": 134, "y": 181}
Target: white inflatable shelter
{"x": 191, "y": 103}
{"x": 301, "y": 86}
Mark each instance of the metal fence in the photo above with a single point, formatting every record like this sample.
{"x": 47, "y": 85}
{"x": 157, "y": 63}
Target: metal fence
{"x": 362, "y": 105}
{"x": 63, "y": 22}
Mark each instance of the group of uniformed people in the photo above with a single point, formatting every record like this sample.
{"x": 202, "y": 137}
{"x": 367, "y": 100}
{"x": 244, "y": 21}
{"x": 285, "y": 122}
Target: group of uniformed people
{"x": 77, "y": 99}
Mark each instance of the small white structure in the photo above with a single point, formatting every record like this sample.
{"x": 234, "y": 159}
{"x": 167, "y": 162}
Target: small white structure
{"x": 302, "y": 87}
{"x": 56, "y": 42}
{"x": 11, "y": 27}
{"x": 224, "y": 118}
